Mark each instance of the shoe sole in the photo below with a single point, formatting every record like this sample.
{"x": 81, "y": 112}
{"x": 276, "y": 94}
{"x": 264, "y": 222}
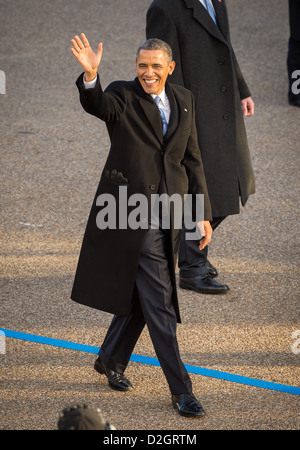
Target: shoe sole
{"x": 119, "y": 389}
{"x": 203, "y": 291}
{"x": 101, "y": 371}
{"x": 187, "y": 414}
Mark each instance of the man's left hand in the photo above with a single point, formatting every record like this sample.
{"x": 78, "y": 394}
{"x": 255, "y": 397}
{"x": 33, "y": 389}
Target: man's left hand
{"x": 247, "y": 106}
{"x": 206, "y": 232}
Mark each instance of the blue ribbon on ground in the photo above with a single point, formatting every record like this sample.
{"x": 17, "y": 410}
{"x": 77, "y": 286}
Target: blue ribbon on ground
{"x": 154, "y": 362}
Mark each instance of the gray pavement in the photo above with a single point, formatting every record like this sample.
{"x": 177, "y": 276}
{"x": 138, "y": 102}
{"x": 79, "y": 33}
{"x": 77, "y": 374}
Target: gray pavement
{"x": 51, "y": 157}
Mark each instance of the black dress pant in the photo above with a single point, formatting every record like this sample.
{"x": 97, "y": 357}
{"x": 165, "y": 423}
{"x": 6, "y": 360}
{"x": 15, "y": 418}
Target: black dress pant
{"x": 193, "y": 262}
{"x": 154, "y": 308}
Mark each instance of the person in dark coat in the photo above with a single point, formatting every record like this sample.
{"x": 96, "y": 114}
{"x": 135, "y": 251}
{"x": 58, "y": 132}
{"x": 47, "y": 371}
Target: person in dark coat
{"x": 293, "y": 59}
{"x": 128, "y": 267}
{"x": 198, "y": 33}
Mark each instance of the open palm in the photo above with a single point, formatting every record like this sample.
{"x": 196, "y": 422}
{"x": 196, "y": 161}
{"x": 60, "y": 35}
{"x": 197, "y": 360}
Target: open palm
{"x": 88, "y": 59}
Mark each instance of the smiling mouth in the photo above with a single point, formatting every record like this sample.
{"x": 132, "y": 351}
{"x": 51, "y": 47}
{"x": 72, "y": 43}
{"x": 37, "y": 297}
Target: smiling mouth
{"x": 150, "y": 82}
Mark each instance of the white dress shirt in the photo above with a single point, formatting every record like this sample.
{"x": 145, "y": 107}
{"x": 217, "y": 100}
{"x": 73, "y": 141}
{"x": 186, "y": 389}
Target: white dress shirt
{"x": 164, "y": 104}
{"x": 90, "y": 84}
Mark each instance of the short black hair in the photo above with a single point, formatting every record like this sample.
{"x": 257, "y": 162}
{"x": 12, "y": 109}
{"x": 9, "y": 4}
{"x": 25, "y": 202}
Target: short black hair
{"x": 156, "y": 44}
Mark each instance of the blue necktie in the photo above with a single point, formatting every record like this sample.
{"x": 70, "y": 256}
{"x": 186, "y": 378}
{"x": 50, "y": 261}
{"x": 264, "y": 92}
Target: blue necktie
{"x": 210, "y": 10}
{"x": 162, "y": 114}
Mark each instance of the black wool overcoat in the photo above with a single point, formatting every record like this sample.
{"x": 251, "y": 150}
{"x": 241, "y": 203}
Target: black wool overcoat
{"x": 206, "y": 64}
{"x": 108, "y": 261}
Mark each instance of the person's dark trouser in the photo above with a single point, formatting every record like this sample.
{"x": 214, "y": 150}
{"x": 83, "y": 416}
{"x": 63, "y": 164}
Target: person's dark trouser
{"x": 155, "y": 309}
{"x": 193, "y": 262}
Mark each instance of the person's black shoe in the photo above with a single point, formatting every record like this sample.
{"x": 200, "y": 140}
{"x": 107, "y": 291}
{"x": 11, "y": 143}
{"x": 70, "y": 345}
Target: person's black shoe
{"x": 212, "y": 271}
{"x": 187, "y": 405}
{"x": 116, "y": 380}
{"x": 295, "y": 102}
{"x": 203, "y": 284}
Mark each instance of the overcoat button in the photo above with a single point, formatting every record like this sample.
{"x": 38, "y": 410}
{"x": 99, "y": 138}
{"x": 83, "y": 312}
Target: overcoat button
{"x": 226, "y": 116}
{"x": 221, "y": 61}
{"x": 152, "y": 187}
{"x": 223, "y": 89}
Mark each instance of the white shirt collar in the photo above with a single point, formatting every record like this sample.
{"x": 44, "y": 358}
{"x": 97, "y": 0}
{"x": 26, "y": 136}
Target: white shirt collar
{"x": 163, "y": 97}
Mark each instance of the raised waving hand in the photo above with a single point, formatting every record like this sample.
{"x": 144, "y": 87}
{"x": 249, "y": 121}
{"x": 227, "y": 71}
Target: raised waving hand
{"x": 88, "y": 59}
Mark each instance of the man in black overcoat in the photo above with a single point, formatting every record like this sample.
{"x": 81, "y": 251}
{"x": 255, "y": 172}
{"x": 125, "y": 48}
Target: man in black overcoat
{"x": 198, "y": 33}
{"x": 127, "y": 267}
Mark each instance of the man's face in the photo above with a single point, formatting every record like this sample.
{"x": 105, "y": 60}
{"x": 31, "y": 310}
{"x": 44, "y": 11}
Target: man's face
{"x": 153, "y": 68}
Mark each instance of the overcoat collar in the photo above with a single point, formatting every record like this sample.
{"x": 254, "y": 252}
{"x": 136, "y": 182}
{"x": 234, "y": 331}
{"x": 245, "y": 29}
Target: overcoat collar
{"x": 202, "y": 16}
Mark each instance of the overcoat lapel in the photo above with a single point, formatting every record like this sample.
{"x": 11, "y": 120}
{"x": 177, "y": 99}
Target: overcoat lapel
{"x": 178, "y": 118}
{"x": 222, "y": 19}
{"x": 152, "y": 114}
{"x": 202, "y": 16}
{"x": 174, "y": 116}
{"x": 150, "y": 109}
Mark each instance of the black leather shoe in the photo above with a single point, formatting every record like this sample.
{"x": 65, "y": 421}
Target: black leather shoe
{"x": 116, "y": 380}
{"x": 187, "y": 405}
{"x": 203, "y": 284}
{"x": 212, "y": 271}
